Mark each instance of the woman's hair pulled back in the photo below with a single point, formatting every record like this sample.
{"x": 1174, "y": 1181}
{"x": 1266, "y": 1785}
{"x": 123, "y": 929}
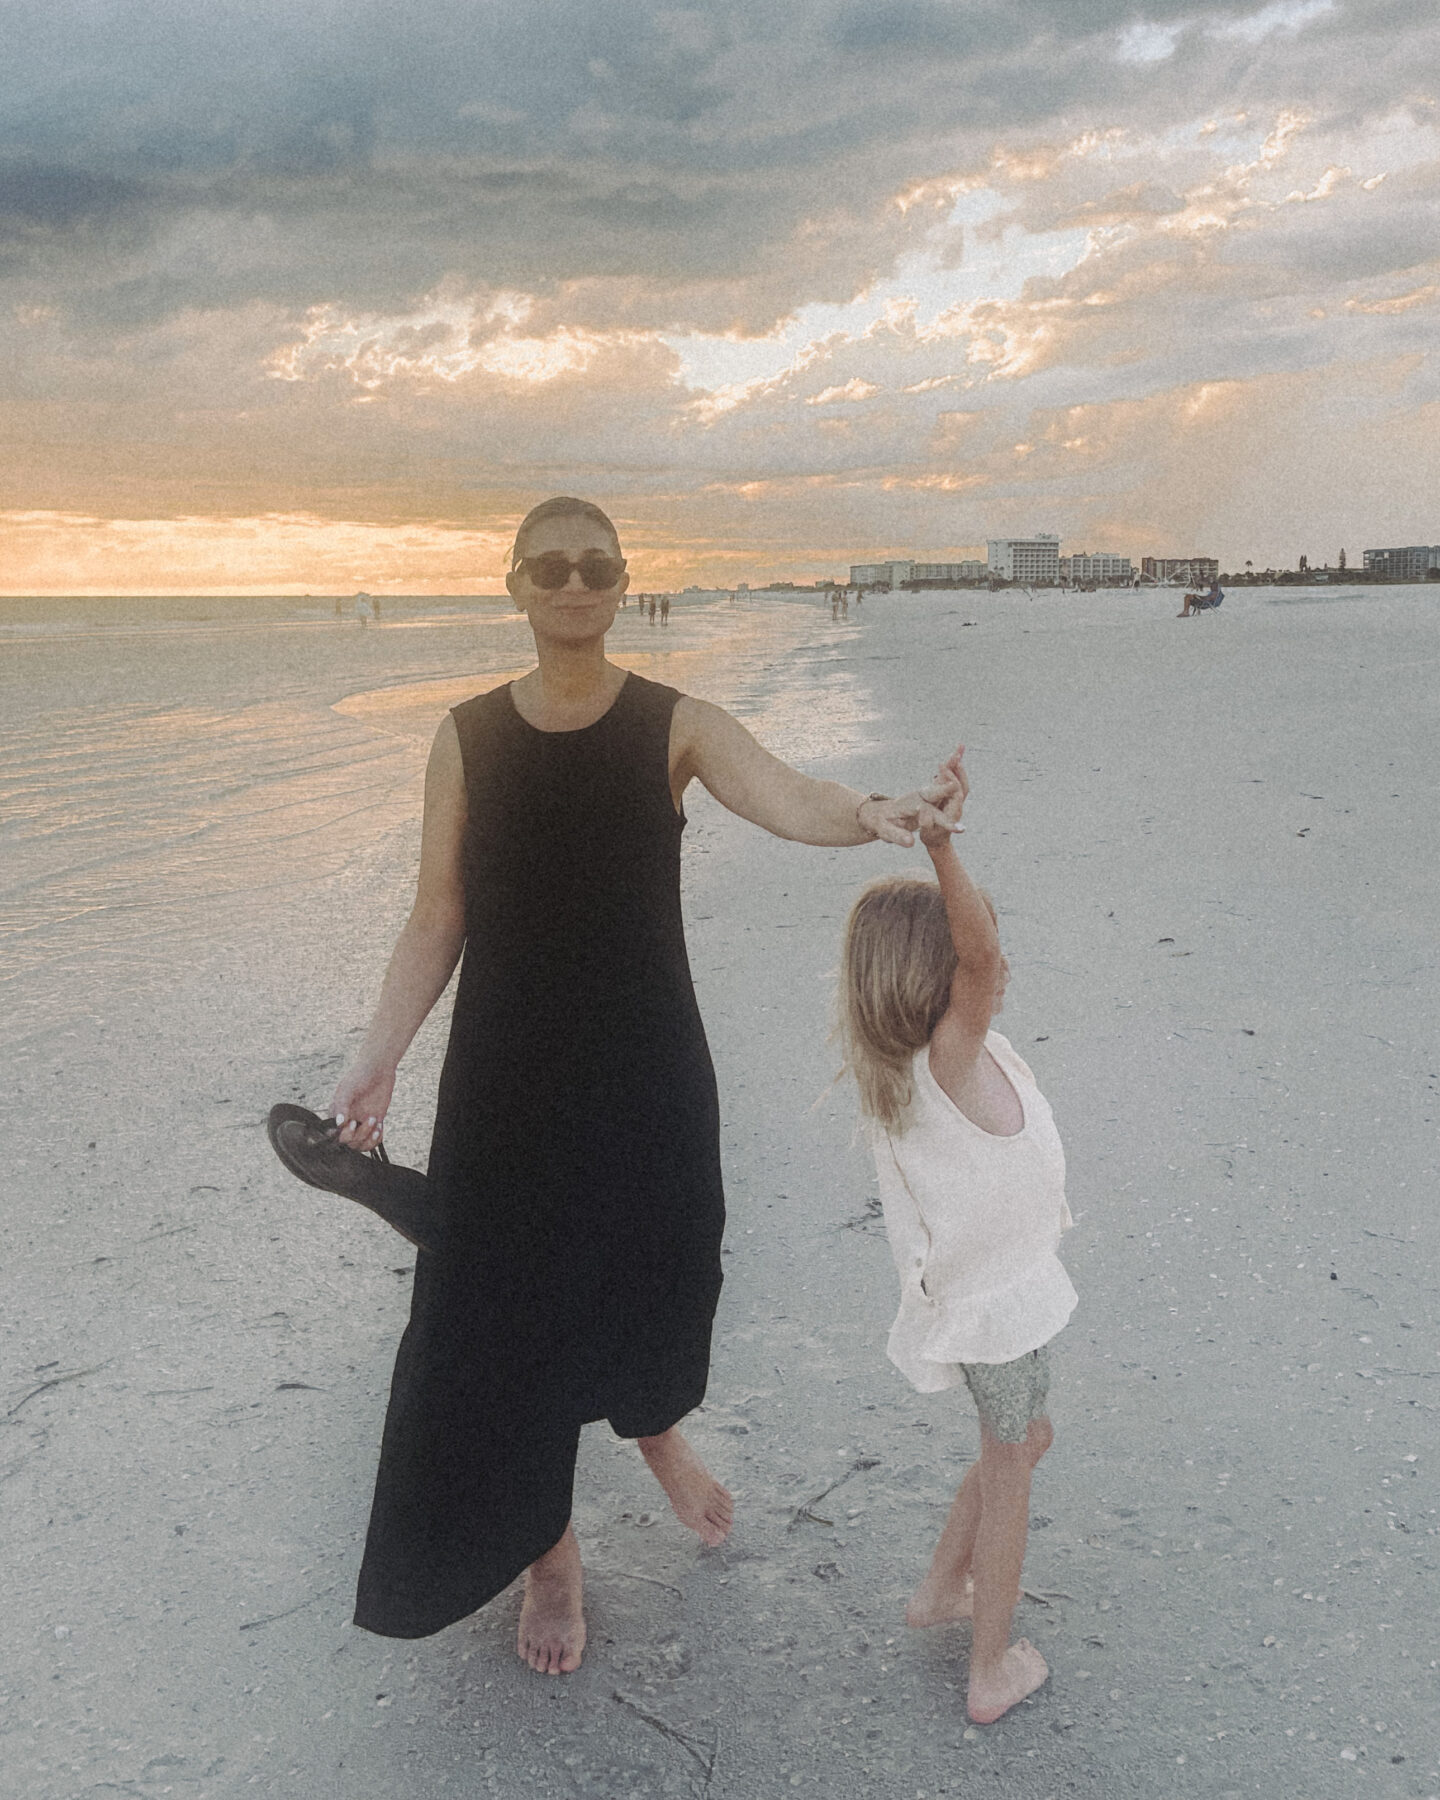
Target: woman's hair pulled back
{"x": 562, "y": 506}
{"x": 896, "y": 966}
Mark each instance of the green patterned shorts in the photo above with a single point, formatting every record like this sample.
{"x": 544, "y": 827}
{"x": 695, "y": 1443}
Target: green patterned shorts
{"x": 1009, "y": 1395}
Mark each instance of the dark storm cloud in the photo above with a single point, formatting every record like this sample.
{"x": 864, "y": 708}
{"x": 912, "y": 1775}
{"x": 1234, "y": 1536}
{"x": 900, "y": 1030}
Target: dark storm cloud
{"x": 922, "y": 28}
{"x": 45, "y": 209}
{"x": 36, "y": 198}
{"x": 365, "y": 152}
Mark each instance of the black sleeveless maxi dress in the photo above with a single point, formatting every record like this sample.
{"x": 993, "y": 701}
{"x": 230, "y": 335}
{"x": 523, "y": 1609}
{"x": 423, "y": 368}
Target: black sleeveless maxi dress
{"x": 576, "y": 1154}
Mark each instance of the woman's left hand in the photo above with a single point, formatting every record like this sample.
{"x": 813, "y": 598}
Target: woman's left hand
{"x": 932, "y": 811}
{"x": 924, "y": 811}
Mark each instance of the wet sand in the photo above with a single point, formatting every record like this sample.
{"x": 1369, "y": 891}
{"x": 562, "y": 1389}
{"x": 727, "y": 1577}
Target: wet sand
{"x": 1212, "y": 844}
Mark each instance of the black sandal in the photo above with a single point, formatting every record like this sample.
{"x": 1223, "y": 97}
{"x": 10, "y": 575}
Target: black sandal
{"x": 309, "y": 1147}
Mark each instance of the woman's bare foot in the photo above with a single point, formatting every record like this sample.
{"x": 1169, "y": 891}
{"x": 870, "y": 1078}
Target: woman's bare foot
{"x": 938, "y": 1602}
{"x": 697, "y": 1498}
{"x": 1021, "y": 1670}
{"x": 552, "y": 1618}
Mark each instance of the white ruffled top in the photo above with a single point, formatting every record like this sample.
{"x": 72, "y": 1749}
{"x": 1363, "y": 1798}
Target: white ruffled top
{"x": 974, "y": 1222}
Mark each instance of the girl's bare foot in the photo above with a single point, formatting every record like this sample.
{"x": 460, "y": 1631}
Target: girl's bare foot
{"x": 552, "y": 1618}
{"x": 938, "y": 1602}
{"x": 697, "y": 1498}
{"x": 1019, "y": 1672}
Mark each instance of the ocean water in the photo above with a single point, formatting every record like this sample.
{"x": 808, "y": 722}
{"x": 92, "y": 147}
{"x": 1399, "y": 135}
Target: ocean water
{"x": 167, "y": 766}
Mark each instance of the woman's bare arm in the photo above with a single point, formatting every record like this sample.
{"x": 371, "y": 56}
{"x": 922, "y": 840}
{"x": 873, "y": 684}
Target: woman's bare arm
{"x": 710, "y": 746}
{"x": 425, "y": 953}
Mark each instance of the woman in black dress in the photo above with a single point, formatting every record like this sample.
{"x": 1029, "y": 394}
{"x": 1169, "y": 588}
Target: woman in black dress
{"x": 582, "y": 1211}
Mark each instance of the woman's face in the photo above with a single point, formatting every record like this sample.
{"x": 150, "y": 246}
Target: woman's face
{"x": 573, "y": 614}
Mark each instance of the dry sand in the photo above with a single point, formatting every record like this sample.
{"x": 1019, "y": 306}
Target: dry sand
{"x": 1213, "y": 844}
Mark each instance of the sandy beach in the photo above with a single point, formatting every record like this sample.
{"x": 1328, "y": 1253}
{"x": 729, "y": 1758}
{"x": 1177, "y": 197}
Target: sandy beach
{"x": 1213, "y": 846}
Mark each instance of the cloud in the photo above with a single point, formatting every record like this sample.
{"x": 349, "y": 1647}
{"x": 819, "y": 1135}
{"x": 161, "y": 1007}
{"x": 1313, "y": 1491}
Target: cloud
{"x": 548, "y": 143}
{"x": 1287, "y": 16}
{"x": 1144, "y": 42}
{"x": 855, "y": 388}
{"x": 725, "y": 264}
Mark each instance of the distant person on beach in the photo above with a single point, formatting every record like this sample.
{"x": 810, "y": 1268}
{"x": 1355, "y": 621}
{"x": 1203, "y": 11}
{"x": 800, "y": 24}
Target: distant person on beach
{"x": 664, "y": 609}
{"x": 972, "y": 1178}
{"x": 579, "y": 1211}
{"x": 1194, "y": 603}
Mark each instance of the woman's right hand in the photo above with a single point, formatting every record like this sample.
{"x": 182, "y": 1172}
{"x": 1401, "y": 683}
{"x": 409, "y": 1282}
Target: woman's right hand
{"x": 361, "y": 1100}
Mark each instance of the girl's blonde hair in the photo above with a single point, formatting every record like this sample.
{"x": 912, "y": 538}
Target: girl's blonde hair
{"x": 896, "y": 966}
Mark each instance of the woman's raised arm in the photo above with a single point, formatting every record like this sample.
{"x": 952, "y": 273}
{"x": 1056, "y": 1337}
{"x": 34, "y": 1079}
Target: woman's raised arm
{"x": 425, "y": 953}
{"x": 710, "y": 746}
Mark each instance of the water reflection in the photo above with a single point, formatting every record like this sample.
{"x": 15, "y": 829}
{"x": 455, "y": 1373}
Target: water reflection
{"x": 167, "y": 774}
{"x": 775, "y": 667}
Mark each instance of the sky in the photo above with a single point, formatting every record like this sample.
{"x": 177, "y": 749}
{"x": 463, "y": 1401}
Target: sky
{"x": 324, "y": 294}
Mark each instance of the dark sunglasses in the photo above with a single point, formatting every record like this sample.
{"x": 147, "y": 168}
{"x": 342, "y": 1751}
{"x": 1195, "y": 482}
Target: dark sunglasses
{"x": 551, "y": 570}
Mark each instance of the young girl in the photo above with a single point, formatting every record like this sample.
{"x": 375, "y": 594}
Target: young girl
{"x": 972, "y": 1177}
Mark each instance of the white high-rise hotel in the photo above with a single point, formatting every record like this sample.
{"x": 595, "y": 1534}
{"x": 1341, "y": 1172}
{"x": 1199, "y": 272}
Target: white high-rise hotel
{"x": 1034, "y": 560}
{"x": 1025, "y": 559}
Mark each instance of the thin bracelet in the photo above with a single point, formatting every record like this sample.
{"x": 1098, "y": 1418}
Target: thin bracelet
{"x": 865, "y": 802}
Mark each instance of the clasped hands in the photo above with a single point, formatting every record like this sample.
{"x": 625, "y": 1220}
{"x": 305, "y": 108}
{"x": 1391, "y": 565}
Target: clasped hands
{"x": 932, "y": 811}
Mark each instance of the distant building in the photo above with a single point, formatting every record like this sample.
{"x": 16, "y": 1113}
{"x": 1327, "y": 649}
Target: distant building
{"x": 1180, "y": 568}
{"x": 969, "y": 569}
{"x": 881, "y": 574}
{"x": 1097, "y": 568}
{"x": 1412, "y": 563}
{"x": 1033, "y": 559}
{"x": 897, "y": 574}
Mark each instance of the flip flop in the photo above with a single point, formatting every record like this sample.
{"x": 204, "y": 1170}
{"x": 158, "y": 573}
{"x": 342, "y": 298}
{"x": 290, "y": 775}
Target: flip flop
{"x": 309, "y": 1148}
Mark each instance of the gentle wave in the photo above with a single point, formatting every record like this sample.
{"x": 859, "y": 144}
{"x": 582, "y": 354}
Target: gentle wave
{"x": 154, "y": 782}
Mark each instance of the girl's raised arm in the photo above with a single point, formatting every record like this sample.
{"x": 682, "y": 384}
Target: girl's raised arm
{"x": 961, "y": 1031}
